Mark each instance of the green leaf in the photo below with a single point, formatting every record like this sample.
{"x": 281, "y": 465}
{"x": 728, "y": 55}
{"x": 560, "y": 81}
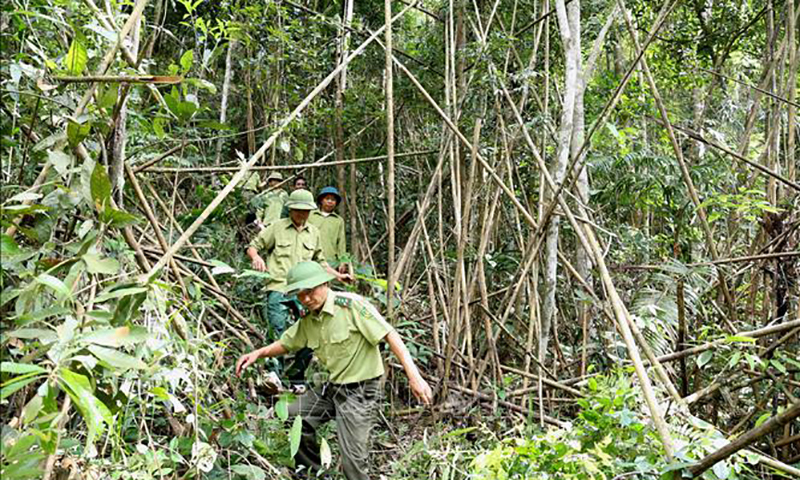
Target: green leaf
{"x": 32, "y": 409}
{"x": 100, "y": 186}
{"x": 186, "y": 60}
{"x": 94, "y": 412}
{"x": 8, "y": 247}
{"x": 763, "y": 418}
{"x": 76, "y": 132}
{"x": 44, "y": 336}
{"x": 117, "y": 337}
{"x": 108, "y": 98}
{"x": 739, "y": 339}
{"x": 60, "y": 161}
{"x": 778, "y": 366}
{"x": 295, "y": 434}
{"x": 75, "y": 60}
{"x": 251, "y": 472}
{"x": 704, "y": 358}
{"x": 53, "y": 283}
{"x": 116, "y": 358}
{"x": 282, "y": 409}
{"x": 20, "y": 368}
{"x": 17, "y": 383}
{"x": 118, "y": 218}
{"x": 106, "y": 266}
{"x": 158, "y": 127}
{"x": 118, "y": 293}
{"x": 722, "y": 470}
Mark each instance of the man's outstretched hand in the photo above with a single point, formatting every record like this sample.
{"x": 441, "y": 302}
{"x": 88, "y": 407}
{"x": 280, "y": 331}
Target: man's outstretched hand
{"x": 245, "y": 361}
{"x": 421, "y": 390}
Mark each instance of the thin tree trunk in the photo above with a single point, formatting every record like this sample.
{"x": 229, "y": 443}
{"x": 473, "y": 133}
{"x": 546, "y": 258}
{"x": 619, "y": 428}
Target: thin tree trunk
{"x": 390, "y": 160}
{"x": 226, "y": 89}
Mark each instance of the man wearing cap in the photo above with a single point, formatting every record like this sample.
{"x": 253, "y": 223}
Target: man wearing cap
{"x": 269, "y": 204}
{"x": 286, "y": 242}
{"x": 331, "y": 227}
{"x": 344, "y": 330}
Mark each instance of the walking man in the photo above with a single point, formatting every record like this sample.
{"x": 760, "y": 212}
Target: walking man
{"x": 344, "y": 330}
{"x": 286, "y": 242}
{"x": 331, "y": 227}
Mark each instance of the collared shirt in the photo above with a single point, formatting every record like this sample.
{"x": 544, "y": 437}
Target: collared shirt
{"x": 344, "y": 335}
{"x": 286, "y": 245}
{"x": 269, "y": 205}
{"x": 331, "y": 227}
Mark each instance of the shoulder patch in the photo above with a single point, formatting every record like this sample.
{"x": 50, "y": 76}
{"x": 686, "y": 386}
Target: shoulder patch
{"x": 343, "y": 301}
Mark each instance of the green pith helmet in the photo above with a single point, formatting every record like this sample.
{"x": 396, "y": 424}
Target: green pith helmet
{"x": 301, "y": 200}
{"x": 306, "y": 275}
{"x": 275, "y": 176}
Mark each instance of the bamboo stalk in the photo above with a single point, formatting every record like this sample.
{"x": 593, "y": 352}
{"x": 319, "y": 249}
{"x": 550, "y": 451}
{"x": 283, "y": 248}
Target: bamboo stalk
{"x": 135, "y": 79}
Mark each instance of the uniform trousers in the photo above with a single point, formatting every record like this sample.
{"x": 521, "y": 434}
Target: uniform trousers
{"x": 354, "y": 407}
{"x": 280, "y": 311}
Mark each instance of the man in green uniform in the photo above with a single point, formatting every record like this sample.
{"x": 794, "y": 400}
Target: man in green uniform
{"x": 269, "y": 204}
{"x": 285, "y": 242}
{"x": 331, "y": 227}
{"x": 344, "y": 330}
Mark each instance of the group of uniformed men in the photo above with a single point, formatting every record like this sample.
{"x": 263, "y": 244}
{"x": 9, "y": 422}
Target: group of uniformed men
{"x": 298, "y": 236}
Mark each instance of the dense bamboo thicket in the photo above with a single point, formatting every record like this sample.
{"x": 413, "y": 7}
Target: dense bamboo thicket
{"x": 581, "y": 216}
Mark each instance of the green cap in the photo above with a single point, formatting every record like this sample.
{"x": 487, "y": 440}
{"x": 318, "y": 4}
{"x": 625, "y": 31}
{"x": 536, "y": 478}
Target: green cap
{"x": 305, "y": 275}
{"x": 301, "y": 200}
{"x": 275, "y": 176}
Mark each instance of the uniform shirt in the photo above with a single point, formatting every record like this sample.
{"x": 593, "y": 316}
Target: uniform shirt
{"x": 285, "y": 245}
{"x": 269, "y": 205}
{"x": 331, "y": 229}
{"x": 344, "y": 335}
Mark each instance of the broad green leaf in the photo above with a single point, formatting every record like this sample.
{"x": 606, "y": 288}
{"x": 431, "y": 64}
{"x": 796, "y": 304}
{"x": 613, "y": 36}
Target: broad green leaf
{"x": 186, "y": 60}
{"x": 704, "y": 358}
{"x": 778, "y": 366}
{"x": 76, "y": 132}
{"x": 250, "y": 472}
{"x": 282, "y": 409}
{"x": 25, "y": 197}
{"x": 100, "y": 187}
{"x": 221, "y": 268}
{"x": 115, "y": 358}
{"x": 95, "y": 264}
{"x": 60, "y": 161}
{"x": 295, "y": 434}
{"x": 32, "y": 409}
{"x": 722, "y": 470}
{"x": 76, "y": 59}
{"x": 20, "y": 368}
{"x": 326, "y": 458}
{"x": 120, "y": 292}
{"x": 94, "y": 412}
{"x": 117, "y": 337}
{"x": 118, "y": 218}
{"x": 44, "y": 336}
{"x": 108, "y": 98}
{"x": 17, "y": 383}
{"x": 53, "y": 283}
{"x": 158, "y": 127}
{"x": 8, "y": 246}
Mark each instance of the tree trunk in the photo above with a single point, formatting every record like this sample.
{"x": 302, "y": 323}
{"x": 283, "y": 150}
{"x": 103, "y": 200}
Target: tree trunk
{"x": 226, "y": 89}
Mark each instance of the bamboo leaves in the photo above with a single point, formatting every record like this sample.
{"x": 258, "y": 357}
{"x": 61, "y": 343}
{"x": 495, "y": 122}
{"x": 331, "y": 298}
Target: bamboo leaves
{"x": 76, "y": 59}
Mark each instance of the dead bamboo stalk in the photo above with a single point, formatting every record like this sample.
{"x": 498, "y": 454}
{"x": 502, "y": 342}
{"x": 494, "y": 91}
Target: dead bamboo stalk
{"x": 244, "y": 170}
{"x": 389, "y": 89}
{"x": 148, "y": 212}
{"x": 792, "y": 412}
